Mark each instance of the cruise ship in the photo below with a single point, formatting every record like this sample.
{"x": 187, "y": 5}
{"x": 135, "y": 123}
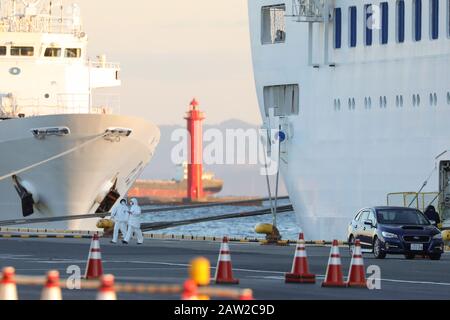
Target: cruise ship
{"x": 361, "y": 90}
{"x": 64, "y": 147}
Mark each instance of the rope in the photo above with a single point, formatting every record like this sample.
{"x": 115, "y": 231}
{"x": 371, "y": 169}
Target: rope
{"x": 60, "y": 155}
{"x": 136, "y": 288}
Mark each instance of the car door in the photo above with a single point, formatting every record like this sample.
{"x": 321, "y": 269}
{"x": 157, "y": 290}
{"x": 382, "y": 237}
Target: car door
{"x": 368, "y": 230}
{"x": 359, "y": 235}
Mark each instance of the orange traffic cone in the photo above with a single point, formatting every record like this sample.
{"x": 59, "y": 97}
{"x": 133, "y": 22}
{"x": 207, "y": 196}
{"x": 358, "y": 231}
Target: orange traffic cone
{"x": 8, "y": 288}
{"x": 94, "y": 268}
{"x": 357, "y": 274}
{"x": 224, "y": 270}
{"x": 334, "y": 277}
{"x": 107, "y": 291}
{"x": 300, "y": 271}
{"x": 190, "y": 290}
{"x": 52, "y": 290}
{"x": 247, "y": 295}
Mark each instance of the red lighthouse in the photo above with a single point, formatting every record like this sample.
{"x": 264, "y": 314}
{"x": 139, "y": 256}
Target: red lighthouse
{"x": 195, "y": 166}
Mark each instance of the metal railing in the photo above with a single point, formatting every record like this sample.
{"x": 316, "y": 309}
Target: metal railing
{"x": 413, "y": 199}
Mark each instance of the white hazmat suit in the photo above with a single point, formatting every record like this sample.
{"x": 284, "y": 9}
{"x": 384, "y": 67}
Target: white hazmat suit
{"x": 120, "y": 216}
{"x": 134, "y": 222}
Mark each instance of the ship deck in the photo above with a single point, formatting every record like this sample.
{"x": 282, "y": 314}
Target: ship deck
{"x": 259, "y": 268}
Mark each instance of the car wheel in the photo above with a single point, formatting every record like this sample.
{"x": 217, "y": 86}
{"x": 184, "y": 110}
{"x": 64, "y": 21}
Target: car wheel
{"x": 351, "y": 245}
{"x": 410, "y": 256}
{"x": 435, "y": 256}
{"x": 377, "y": 252}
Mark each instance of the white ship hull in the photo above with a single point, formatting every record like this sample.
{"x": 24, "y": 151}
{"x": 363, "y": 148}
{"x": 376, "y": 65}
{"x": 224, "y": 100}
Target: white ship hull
{"x": 74, "y": 183}
{"x": 338, "y": 161}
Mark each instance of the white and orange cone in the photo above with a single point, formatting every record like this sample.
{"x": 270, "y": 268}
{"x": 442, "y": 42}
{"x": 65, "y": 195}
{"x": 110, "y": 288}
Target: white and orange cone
{"x": 107, "y": 290}
{"x": 94, "y": 267}
{"x": 300, "y": 270}
{"x": 224, "y": 270}
{"x": 8, "y": 288}
{"x": 334, "y": 277}
{"x": 357, "y": 274}
{"x": 52, "y": 289}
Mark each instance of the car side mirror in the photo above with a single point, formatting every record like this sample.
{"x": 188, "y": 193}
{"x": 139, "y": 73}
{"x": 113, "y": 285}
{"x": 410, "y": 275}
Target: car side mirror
{"x": 368, "y": 223}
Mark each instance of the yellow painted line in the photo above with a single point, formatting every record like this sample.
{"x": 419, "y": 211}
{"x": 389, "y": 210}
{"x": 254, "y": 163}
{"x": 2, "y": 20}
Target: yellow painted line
{"x": 25, "y": 236}
{"x": 42, "y": 236}
{"x": 7, "y": 236}
{"x": 78, "y": 237}
{"x": 60, "y": 237}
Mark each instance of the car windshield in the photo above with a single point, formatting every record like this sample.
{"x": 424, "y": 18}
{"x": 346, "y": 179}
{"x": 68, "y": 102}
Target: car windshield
{"x": 402, "y": 217}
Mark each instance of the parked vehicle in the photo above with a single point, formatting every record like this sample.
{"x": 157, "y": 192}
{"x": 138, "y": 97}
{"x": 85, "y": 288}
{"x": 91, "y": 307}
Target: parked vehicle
{"x": 396, "y": 230}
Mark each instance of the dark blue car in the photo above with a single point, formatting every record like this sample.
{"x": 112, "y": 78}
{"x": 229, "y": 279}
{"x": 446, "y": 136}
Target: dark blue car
{"x": 396, "y": 230}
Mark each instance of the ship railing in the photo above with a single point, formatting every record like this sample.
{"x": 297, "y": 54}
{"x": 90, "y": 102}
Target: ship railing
{"x": 103, "y": 65}
{"x": 309, "y": 10}
{"x": 415, "y": 200}
{"x": 40, "y": 110}
{"x": 41, "y": 24}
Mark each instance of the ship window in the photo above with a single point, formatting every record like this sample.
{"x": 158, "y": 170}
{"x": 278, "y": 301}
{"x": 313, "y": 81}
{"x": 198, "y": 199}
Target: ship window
{"x": 417, "y": 19}
{"x": 337, "y": 28}
{"x": 52, "y": 52}
{"x": 22, "y": 51}
{"x": 72, "y": 53}
{"x": 434, "y": 21}
{"x": 2, "y": 51}
{"x": 400, "y": 21}
{"x": 284, "y": 99}
{"x": 273, "y": 24}
{"x": 448, "y": 97}
{"x": 384, "y": 22}
{"x": 368, "y": 24}
{"x": 353, "y": 29}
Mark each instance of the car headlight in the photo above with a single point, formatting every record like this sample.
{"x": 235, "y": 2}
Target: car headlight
{"x": 389, "y": 235}
{"x": 437, "y": 236}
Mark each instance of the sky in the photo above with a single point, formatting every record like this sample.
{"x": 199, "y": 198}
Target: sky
{"x": 173, "y": 50}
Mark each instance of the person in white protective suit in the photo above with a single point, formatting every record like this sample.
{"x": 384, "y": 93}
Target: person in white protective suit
{"x": 134, "y": 223}
{"x": 120, "y": 216}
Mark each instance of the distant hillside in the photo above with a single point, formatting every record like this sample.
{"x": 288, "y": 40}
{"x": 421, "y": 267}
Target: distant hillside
{"x": 239, "y": 180}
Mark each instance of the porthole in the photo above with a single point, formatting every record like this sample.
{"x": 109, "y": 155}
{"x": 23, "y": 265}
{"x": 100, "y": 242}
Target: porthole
{"x": 46, "y": 96}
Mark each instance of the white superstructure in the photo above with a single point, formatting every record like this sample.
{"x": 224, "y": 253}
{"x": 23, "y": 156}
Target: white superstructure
{"x": 64, "y": 149}
{"x": 362, "y": 90}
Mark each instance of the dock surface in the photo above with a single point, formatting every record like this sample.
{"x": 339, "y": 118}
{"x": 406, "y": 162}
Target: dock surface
{"x": 260, "y": 268}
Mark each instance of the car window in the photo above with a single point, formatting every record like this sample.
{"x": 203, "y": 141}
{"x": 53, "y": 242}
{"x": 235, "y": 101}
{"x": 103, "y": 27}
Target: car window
{"x": 364, "y": 216}
{"x": 358, "y": 216}
{"x": 372, "y": 217}
{"x": 402, "y": 217}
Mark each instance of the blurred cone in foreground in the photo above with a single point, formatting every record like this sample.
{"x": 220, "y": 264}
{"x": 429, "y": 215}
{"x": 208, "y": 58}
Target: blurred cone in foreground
{"x": 52, "y": 289}
{"x": 8, "y": 288}
{"x": 107, "y": 290}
